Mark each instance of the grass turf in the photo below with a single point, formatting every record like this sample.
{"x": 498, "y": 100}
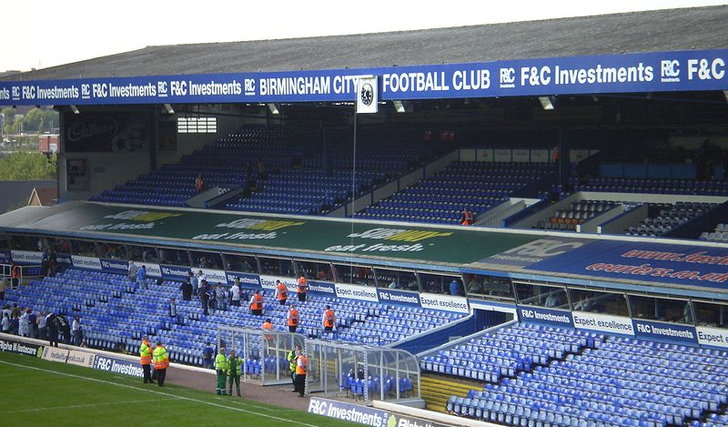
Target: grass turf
{"x": 40, "y": 393}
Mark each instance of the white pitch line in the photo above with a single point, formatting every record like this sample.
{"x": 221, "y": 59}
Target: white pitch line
{"x": 53, "y": 408}
{"x": 146, "y": 390}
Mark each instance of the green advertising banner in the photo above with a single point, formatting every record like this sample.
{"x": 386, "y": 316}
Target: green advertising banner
{"x": 451, "y": 245}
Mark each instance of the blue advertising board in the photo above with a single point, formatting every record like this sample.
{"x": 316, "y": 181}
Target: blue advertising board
{"x": 175, "y": 272}
{"x": 545, "y": 315}
{"x": 659, "y": 331}
{"x": 651, "y": 262}
{"x": 322, "y": 288}
{"x": 64, "y": 259}
{"x": 114, "y": 265}
{"x": 536, "y": 251}
{"x": 392, "y": 296}
{"x": 696, "y": 70}
{"x": 247, "y": 280}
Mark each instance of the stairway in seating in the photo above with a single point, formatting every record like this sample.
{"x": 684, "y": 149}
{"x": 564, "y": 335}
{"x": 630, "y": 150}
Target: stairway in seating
{"x": 436, "y": 389}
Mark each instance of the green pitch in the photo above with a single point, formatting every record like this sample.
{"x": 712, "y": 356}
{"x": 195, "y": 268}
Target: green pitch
{"x": 40, "y": 393}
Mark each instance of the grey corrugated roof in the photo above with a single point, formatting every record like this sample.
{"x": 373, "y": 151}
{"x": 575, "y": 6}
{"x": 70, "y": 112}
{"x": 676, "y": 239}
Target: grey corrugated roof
{"x": 16, "y": 193}
{"x": 653, "y": 31}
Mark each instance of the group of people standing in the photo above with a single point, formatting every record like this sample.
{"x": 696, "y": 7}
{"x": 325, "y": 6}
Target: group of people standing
{"x": 228, "y": 365}
{"x": 137, "y": 274}
{"x": 158, "y": 357}
{"x": 293, "y": 317}
{"x": 298, "y": 365}
{"x": 213, "y": 296}
{"x": 228, "y": 369}
{"x": 42, "y": 325}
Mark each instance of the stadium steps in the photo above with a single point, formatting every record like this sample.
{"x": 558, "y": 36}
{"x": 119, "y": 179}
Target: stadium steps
{"x": 436, "y": 389}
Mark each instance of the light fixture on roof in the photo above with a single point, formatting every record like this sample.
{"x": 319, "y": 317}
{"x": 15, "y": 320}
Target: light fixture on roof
{"x": 75, "y": 109}
{"x": 273, "y": 108}
{"x": 725, "y": 94}
{"x": 168, "y": 108}
{"x": 548, "y": 103}
{"x": 398, "y": 106}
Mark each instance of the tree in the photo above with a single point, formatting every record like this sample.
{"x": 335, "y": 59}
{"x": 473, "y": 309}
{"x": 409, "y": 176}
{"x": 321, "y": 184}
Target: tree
{"x": 9, "y": 114}
{"x": 22, "y": 166}
{"x": 32, "y": 120}
{"x": 38, "y": 120}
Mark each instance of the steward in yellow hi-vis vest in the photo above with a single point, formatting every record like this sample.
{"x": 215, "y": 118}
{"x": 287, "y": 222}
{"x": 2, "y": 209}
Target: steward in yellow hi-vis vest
{"x": 161, "y": 362}
{"x": 145, "y": 358}
{"x": 234, "y": 368}
{"x": 221, "y": 368}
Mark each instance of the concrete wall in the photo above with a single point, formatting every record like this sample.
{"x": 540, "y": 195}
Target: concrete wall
{"x": 104, "y": 171}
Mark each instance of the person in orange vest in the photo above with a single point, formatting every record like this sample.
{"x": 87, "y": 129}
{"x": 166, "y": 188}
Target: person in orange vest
{"x": 329, "y": 319}
{"x": 256, "y": 304}
{"x": 293, "y": 318}
{"x": 301, "y": 370}
{"x": 466, "y": 217}
{"x": 281, "y": 292}
{"x": 145, "y": 357}
{"x": 14, "y": 275}
{"x": 302, "y": 288}
{"x": 161, "y": 362}
{"x": 268, "y": 326}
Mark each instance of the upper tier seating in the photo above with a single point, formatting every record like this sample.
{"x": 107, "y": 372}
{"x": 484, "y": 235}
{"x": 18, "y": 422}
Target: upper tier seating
{"x": 668, "y": 218}
{"x": 655, "y": 186}
{"x": 228, "y": 163}
{"x": 171, "y": 185}
{"x": 303, "y": 192}
{"x": 442, "y": 197}
{"x": 578, "y": 213}
{"x": 280, "y": 171}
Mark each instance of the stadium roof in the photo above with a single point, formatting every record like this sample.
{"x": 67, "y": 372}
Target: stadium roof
{"x": 652, "y": 31}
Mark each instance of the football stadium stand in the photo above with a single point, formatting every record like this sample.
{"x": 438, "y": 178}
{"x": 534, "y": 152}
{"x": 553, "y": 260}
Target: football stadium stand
{"x": 653, "y": 186}
{"x": 663, "y": 218}
{"x": 508, "y": 351}
{"x": 441, "y": 198}
{"x": 577, "y": 213}
{"x": 275, "y": 171}
{"x": 615, "y": 381}
{"x": 117, "y": 313}
{"x": 590, "y": 290}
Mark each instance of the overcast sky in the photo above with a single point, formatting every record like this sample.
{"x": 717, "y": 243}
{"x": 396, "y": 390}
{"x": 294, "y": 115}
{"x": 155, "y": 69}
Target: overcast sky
{"x": 44, "y": 33}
